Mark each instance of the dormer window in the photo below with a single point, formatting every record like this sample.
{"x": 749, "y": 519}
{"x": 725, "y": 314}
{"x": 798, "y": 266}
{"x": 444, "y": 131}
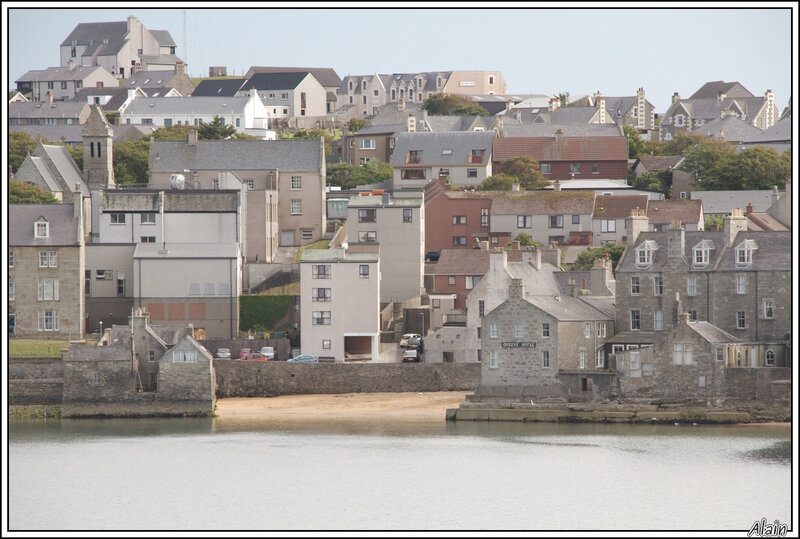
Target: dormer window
{"x": 41, "y": 229}
{"x": 744, "y": 252}
{"x": 414, "y": 156}
{"x": 702, "y": 253}
{"x": 644, "y": 254}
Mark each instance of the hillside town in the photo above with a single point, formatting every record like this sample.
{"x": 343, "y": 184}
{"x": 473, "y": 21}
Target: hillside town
{"x": 555, "y": 249}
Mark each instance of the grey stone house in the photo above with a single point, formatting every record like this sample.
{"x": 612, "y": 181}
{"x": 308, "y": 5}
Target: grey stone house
{"x": 139, "y": 370}
{"x": 543, "y": 347}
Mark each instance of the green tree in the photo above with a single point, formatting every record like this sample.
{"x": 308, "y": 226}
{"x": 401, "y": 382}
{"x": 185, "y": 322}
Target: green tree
{"x": 131, "y": 161}
{"x": 636, "y": 144}
{"x": 76, "y": 152}
{"x": 526, "y": 170}
{"x": 173, "y": 132}
{"x": 585, "y": 260}
{"x": 440, "y": 104}
{"x": 710, "y": 162}
{"x": 26, "y": 193}
{"x": 20, "y": 144}
{"x": 216, "y": 129}
{"x": 563, "y": 98}
{"x": 660, "y": 181}
{"x": 112, "y": 116}
{"x": 759, "y": 167}
{"x": 349, "y": 176}
{"x": 525, "y": 240}
{"x": 355, "y": 125}
{"x": 679, "y": 144}
{"x": 498, "y": 182}
{"x": 712, "y": 220}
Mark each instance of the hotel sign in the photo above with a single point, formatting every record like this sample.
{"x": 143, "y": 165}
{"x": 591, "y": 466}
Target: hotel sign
{"x": 518, "y": 344}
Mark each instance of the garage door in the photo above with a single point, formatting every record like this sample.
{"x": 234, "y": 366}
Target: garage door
{"x": 287, "y": 237}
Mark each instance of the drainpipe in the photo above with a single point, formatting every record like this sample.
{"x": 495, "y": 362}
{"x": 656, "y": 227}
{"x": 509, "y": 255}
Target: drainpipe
{"x": 755, "y": 300}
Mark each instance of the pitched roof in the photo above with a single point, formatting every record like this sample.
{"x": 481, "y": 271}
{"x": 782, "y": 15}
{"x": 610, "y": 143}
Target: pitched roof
{"x": 764, "y": 221}
{"x": 727, "y": 128}
{"x": 712, "y": 89}
{"x": 725, "y": 201}
{"x": 325, "y": 75}
{"x": 542, "y": 202}
{"x": 163, "y": 37}
{"x": 567, "y": 308}
{"x": 65, "y": 167}
{"x": 275, "y": 81}
{"x": 618, "y": 206}
{"x": 285, "y": 155}
{"x": 569, "y": 130}
{"x": 149, "y": 79}
{"x": 47, "y": 177}
{"x": 691, "y": 238}
{"x": 653, "y": 163}
{"x": 96, "y": 32}
{"x": 380, "y": 129}
{"x": 666, "y": 211}
{"x": 69, "y": 134}
{"x": 218, "y": 87}
{"x": 572, "y": 115}
{"x": 780, "y": 132}
{"x": 186, "y": 105}
{"x": 462, "y": 262}
{"x": 63, "y": 225}
{"x": 118, "y": 96}
{"x": 774, "y": 252}
{"x": 40, "y": 109}
{"x": 163, "y": 59}
{"x": 57, "y": 74}
{"x": 711, "y": 333}
{"x": 434, "y": 147}
{"x": 568, "y": 149}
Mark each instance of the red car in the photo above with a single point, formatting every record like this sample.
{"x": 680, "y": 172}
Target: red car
{"x": 244, "y": 352}
{"x": 256, "y": 356}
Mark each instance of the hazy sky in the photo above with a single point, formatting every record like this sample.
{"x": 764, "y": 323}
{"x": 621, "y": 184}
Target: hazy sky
{"x": 540, "y": 51}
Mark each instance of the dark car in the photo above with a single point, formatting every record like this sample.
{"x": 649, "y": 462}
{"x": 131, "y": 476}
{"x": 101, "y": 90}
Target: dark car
{"x": 432, "y": 256}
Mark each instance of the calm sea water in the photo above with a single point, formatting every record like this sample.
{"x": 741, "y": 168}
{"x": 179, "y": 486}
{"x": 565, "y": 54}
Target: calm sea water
{"x": 238, "y": 474}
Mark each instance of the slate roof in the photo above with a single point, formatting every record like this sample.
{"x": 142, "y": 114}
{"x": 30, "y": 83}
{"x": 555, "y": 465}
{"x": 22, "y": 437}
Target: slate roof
{"x": 163, "y": 37}
{"x": 666, "y": 211}
{"x": 48, "y": 178}
{"x": 654, "y": 163}
{"x": 457, "y": 123}
{"x": 186, "y": 105}
{"x": 536, "y": 281}
{"x": 618, "y": 206}
{"x": 774, "y": 252}
{"x": 691, "y": 238}
{"x": 114, "y": 32}
{"x": 432, "y": 144}
{"x": 274, "y": 81}
{"x": 780, "y": 132}
{"x": 462, "y": 262}
{"x": 149, "y": 79}
{"x": 764, "y": 221}
{"x": 732, "y": 128}
{"x": 572, "y": 115}
{"x": 63, "y": 227}
{"x": 563, "y": 277}
{"x": 569, "y": 130}
{"x": 325, "y": 75}
{"x": 711, "y": 333}
{"x": 570, "y": 148}
{"x": 65, "y": 166}
{"x": 285, "y": 155}
{"x": 542, "y": 202}
{"x": 58, "y": 74}
{"x": 388, "y": 114}
{"x": 40, "y": 109}
{"x": 381, "y": 129}
{"x": 165, "y": 59}
{"x": 712, "y": 89}
{"x": 567, "y": 308}
{"x": 725, "y": 201}
{"x": 218, "y": 87}
{"x": 118, "y": 96}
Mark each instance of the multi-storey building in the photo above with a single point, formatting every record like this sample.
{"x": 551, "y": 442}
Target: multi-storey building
{"x": 45, "y": 271}
{"x": 340, "y": 302}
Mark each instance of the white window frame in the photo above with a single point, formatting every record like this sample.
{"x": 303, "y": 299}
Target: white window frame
{"x": 644, "y": 256}
{"x": 599, "y": 359}
{"x": 546, "y": 330}
{"x": 41, "y": 229}
{"x": 744, "y": 257}
{"x": 608, "y": 225}
{"x": 494, "y": 360}
{"x": 366, "y": 144}
{"x": 117, "y": 218}
{"x": 635, "y": 285}
{"x": 741, "y": 283}
{"x": 682, "y": 354}
{"x": 601, "y": 330}
{"x": 296, "y": 183}
{"x": 691, "y": 285}
{"x": 320, "y": 318}
{"x": 741, "y": 319}
{"x": 518, "y": 330}
{"x": 768, "y": 309}
{"x": 637, "y": 318}
{"x": 658, "y": 284}
{"x": 769, "y": 357}
{"x": 297, "y": 207}
{"x": 546, "y": 168}
{"x": 493, "y": 332}
{"x": 148, "y": 218}
{"x": 582, "y": 359}
{"x": 321, "y": 271}
{"x": 587, "y": 330}
{"x": 526, "y": 221}
{"x": 701, "y": 256}
{"x": 367, "y": 236}
{"x": 658, "y": 319}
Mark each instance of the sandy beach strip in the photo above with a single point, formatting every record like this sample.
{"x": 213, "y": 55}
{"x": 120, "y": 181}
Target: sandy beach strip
{"x": 410, "y": 405}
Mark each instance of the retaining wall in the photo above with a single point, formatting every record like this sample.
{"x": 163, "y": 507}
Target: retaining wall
{"x": 35, "y": 381}
{"x": 270, "y": 379}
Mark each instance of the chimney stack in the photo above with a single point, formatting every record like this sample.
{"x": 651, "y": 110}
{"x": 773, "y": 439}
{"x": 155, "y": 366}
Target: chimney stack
{"x": 193, "y": 137}
{"x": 676, "y": 240}
{"x": 401, "y": 104}
{"x": 676, "y": 97}
{"x": 554, "y": 104}
{"x": 750, "y": 208}
{"x": 559, "y": 135}
{"x": 635, "y": 224}
{"x": 49, "y": 97}
{"x": 733, "y": 224}
{"x": 721, "y": 96}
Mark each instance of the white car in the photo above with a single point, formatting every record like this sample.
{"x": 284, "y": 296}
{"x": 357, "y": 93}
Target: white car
{"x": 406, "y": 339}
{"x": 269, "y": 352}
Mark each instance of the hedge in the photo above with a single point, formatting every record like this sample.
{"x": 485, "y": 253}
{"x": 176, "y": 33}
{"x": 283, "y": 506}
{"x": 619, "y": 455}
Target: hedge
{"x": 262, "y": 312}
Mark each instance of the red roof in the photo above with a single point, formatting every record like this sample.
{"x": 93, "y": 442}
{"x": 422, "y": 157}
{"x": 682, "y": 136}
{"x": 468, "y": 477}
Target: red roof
{"x": 568, "y": 149}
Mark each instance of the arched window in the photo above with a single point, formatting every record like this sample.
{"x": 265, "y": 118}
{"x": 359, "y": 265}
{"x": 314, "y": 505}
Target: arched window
{"x": 769, "y": 358}
{"x": 91, "y": 149}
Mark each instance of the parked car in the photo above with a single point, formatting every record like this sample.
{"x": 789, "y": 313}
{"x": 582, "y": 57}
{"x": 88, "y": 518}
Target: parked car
{"x": 256, "y": 356}
{"x": 411, "y": 355}
{"x": 406, "y": 339}
{"x": 415, "y": 342}
{"x": 432, "y": 256}
{"x": 304, "y": 358}
{"x": 243, "y": 352}
{"x": 223, "y": 353}
{"x": 269, "y": 352}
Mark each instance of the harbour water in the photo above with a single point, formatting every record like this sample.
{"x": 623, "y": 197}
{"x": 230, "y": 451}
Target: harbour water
{"x": 393, "y": 474}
